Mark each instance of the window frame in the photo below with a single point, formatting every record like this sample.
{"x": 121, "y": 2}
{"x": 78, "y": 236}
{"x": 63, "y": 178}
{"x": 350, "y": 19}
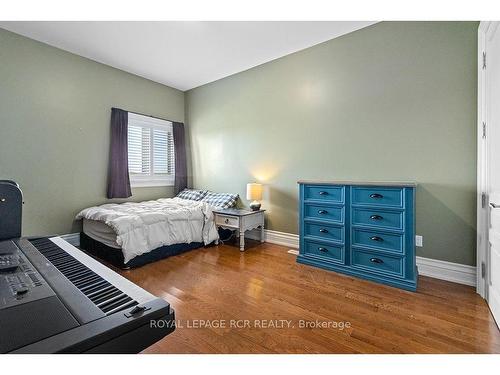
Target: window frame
{"x": 151, "y": 180}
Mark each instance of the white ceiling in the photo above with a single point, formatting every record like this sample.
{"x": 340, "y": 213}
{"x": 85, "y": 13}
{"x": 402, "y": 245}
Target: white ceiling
{"x": 181, "y": 54}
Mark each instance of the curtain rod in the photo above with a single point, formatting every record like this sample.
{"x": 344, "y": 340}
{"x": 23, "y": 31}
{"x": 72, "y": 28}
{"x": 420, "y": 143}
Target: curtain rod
{"x": 142, "y": 114}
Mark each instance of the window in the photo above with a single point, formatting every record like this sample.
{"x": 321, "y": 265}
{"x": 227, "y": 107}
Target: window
{"x": 150, "y": 151}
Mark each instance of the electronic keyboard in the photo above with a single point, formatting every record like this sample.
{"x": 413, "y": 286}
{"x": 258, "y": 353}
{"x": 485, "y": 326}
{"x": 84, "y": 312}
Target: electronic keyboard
{"x": 56, "y": 299}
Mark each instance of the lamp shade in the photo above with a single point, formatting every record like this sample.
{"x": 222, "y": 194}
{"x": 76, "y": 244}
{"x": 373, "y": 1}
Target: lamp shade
{"x": 254, "y": 192}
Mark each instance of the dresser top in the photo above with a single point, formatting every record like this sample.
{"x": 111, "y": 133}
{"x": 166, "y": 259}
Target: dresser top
{"x": 359, "y": 183}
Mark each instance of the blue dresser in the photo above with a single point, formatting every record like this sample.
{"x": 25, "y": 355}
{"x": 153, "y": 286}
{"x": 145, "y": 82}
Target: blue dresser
{"x": 361, "y": 229}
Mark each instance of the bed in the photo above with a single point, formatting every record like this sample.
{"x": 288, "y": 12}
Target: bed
{"x": 131, "y": 234}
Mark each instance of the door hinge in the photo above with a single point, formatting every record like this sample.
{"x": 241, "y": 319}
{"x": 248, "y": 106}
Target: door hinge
{"x": 484, "y": 60}
{"x": 483, "y": 270}
{"x": 483, "y": 200}
{"x": 484, "y": 129}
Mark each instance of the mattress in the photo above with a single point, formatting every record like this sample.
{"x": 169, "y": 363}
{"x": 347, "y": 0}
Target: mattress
{"x": 116, "y": 258}
{"x": 141, "y": 227}
{"x": 101, "y": 232}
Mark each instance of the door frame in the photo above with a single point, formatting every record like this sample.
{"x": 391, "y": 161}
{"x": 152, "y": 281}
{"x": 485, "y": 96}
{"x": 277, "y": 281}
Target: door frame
{"x": 486, "y": 30}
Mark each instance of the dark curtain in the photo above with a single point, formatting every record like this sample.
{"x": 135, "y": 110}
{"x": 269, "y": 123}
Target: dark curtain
{"x": 180, "y": 157}
{"x": 118, "y": 178}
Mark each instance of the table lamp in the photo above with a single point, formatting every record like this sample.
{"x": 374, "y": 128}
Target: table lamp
{"x": 254, "y": 194}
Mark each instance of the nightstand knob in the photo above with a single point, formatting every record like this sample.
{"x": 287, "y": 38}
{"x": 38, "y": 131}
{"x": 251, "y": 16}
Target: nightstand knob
{"x": 226, "y": 221}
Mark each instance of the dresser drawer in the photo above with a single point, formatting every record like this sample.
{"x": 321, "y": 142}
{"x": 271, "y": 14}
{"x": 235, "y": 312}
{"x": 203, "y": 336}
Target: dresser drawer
{"x": 227, "y": 221}
{"x": 326, "y": 232}
{"x": 318, "y": 249}
{"x": 375, "y": 196}
{"x": 378, "y": 240}
{"x": 324, "y": 193}
{"x": 378, "y": 218}
{"x": 323, "y": 212}
{"x": 372, "y": 261}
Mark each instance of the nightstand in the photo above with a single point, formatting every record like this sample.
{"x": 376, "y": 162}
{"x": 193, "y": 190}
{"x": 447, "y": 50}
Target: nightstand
{"x": 240, "y": 221}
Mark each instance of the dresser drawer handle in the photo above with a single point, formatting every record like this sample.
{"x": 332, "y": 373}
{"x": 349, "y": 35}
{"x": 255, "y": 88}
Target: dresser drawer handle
{"x": 376, "y": 217}
{"x": 376, "y": 196}
{"x": 323, "y": 249}
{"x": 376, "y": 238}
{"x": 323, "y": 230}
{"x": 376, "y": 260}
{"x": 323, "y": 193}
{"x": 226, "y": 221}
{"x": 322, "y": 212}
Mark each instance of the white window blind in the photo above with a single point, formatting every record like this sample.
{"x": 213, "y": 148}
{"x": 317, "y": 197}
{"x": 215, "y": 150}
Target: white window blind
{"x": 150, "y": 151}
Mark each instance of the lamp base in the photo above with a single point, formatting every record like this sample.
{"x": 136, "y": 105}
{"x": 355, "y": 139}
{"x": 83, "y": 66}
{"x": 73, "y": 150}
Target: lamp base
{"x": 255, "y": 206}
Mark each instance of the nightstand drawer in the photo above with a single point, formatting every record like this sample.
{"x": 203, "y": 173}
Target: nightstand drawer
{"x": 227, "y": 221}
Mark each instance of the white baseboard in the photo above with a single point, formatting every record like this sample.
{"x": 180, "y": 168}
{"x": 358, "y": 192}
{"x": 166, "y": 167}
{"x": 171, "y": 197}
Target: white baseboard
{"x": 275, "y": 237}
{"x": 438, "y": 269}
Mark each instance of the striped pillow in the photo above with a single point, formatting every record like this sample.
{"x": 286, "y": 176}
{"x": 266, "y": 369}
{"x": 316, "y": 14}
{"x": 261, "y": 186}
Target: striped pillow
{"x": 192, "y": 194}
{"x": 221, "y": 200}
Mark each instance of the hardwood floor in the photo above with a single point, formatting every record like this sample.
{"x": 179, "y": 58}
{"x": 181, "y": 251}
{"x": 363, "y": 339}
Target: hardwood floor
{"x": 265, "y": 285}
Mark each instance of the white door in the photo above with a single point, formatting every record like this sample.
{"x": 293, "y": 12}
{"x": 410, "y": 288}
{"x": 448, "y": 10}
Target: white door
{"x": 491, "y": 138}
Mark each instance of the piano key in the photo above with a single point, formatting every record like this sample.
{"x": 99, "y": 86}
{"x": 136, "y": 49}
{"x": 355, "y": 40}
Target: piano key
{"x": 91, "y": 280}
{"x": 108, "y": 301}
{"x": 62, "y": 260}
{"x": 131, "y": 289}
{"x": 115, "y": 303}
{"x": 86, "y": 280}
{"x": 57, "y": 257}
{"x": 124, "y": 306}
{"x": 97, "y": 292}
{"x": 78, "y": 274}
{"x": 95, "y": 286}
{"x": 99, "y": 299}
{"x": 90, "y": 277}
{"x": 74, "y": 273}
{"x": 67, "y": 267}
{"x": 105, "y": 295}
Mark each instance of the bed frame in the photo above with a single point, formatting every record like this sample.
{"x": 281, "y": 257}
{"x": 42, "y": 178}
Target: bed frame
{"x": 115, "y": 256}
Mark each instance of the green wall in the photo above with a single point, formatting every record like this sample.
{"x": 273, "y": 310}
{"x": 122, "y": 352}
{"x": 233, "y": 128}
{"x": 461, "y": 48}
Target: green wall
{"x": 395, "y": 101}
{"x": 54, "y": 128}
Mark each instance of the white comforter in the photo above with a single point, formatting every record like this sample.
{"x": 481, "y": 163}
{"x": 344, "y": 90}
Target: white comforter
{"x": 142, "y": 227}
